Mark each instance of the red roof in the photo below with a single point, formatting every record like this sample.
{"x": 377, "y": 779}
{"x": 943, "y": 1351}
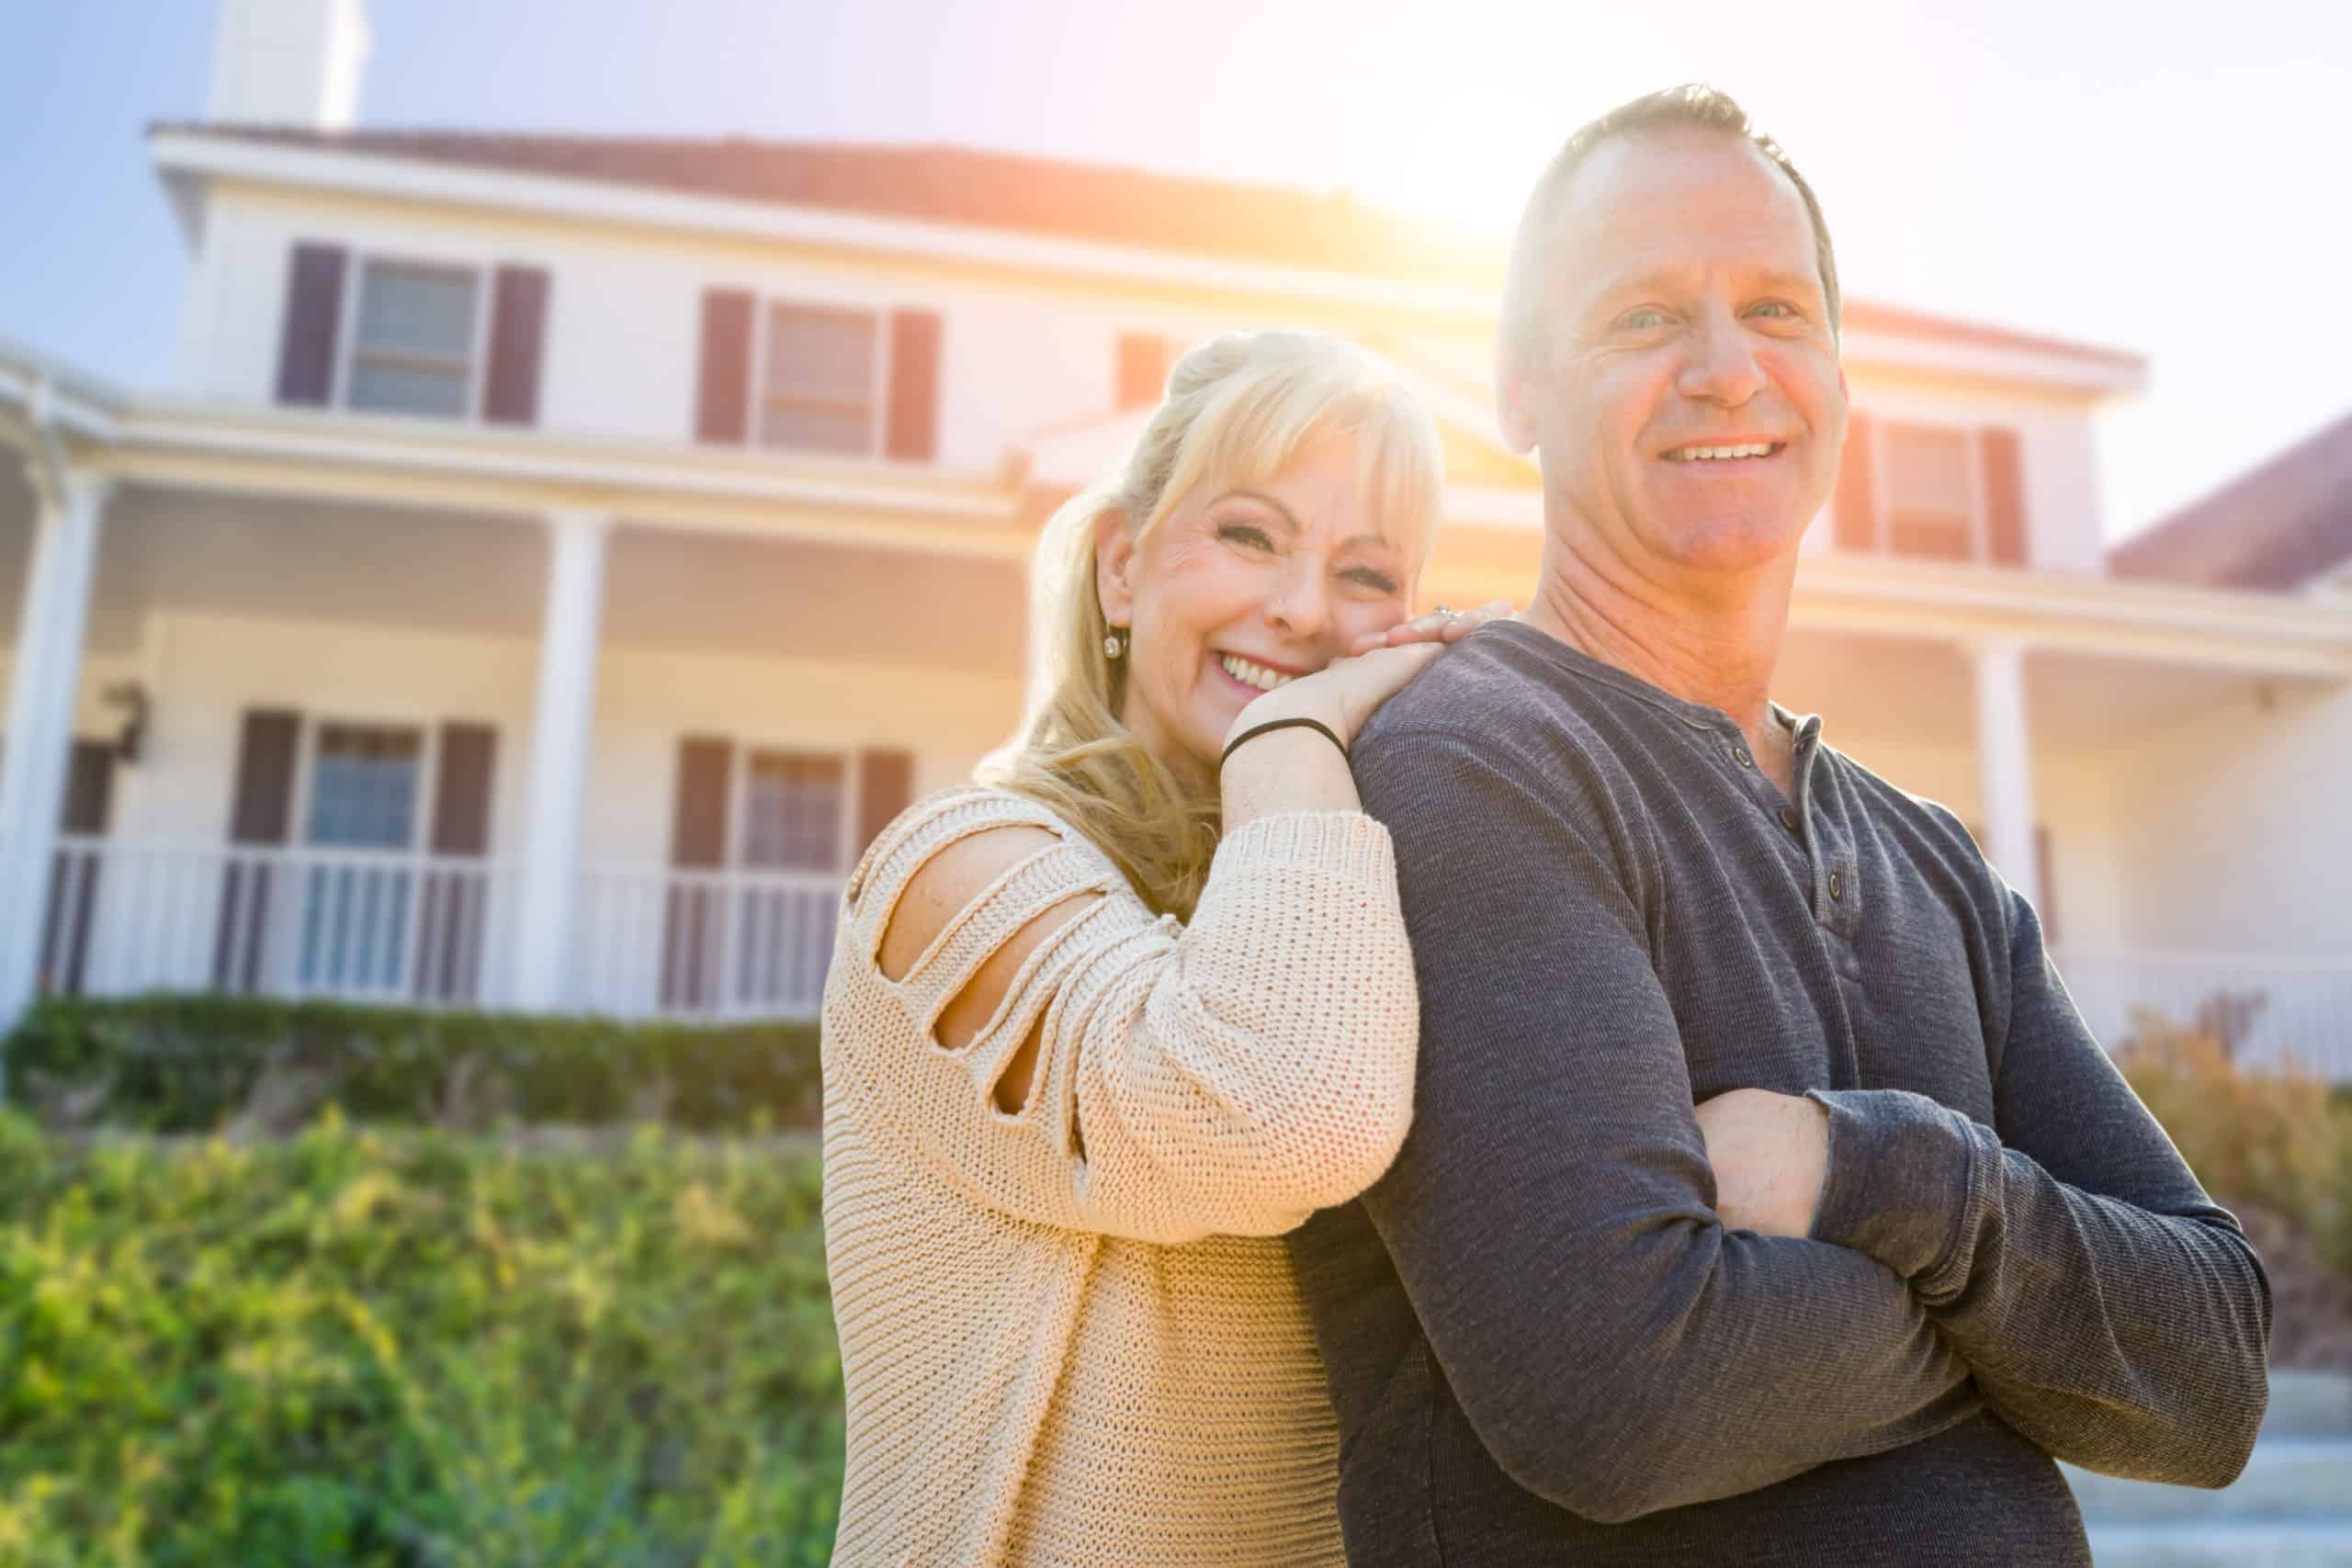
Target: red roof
{"x": 1330, "y": 232}
{"x": 2276, "y": 526}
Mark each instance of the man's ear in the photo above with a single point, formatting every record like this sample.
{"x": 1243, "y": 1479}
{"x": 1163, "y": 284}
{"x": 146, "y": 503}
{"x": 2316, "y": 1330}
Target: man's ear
{"x": 1512, "y": 404}
{"x": 1114, "y": 555}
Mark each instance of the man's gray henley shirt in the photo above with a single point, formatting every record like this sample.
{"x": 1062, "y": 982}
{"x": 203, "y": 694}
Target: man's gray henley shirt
{"x": 1543, "y": 1344}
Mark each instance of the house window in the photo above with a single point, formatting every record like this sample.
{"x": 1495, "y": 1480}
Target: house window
{"x": 1930, "y": 509}
{"x": 819, "y": 380}
{"x": 413, "y": 341}
{"x": 365, "y": 785}
{"x": 795, "y": 807}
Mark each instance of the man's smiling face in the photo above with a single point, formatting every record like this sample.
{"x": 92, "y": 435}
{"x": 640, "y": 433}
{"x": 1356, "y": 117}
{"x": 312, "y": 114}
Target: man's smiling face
{"x": 1685, "y": 394}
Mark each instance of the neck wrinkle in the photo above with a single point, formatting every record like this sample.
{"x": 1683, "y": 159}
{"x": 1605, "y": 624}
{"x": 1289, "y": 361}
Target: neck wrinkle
{"x": 1716, "y": 649}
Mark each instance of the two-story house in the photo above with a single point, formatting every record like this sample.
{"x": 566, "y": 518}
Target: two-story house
{"x": 554, "y": 556}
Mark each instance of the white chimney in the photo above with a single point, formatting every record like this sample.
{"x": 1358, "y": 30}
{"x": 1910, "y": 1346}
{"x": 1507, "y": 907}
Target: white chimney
{"x": 288, "y": 63}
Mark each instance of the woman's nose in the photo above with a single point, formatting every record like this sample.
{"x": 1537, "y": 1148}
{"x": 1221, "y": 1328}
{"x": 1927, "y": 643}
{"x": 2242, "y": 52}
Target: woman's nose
{"x": 1301, "y": 604}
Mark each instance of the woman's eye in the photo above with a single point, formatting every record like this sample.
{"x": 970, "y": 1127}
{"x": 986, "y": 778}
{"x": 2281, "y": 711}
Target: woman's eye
{"x": 1254, "y": 537}
{"x": 1379, "y": 583}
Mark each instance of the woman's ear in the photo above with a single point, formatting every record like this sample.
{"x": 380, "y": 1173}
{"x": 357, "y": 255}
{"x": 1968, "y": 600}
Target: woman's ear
{"x": 1114, "y": 555}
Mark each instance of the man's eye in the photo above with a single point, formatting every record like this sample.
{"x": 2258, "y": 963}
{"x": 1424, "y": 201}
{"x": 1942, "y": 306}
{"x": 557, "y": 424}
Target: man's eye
{"x": 1643, "y": 319}
{"x": 1246, "y": 533}
{"x": 1780, "y": 308}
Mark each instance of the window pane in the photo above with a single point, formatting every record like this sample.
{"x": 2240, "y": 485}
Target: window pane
{"x": 406, "y": 388}
{"x": 364, "y": 787}
{"x": 815, "y": 430}
{"x": 792, "y": 812}
{"x": 417, "y": 309}
{"x": 1927, "y": 490}
{"x": 820, "y": 356}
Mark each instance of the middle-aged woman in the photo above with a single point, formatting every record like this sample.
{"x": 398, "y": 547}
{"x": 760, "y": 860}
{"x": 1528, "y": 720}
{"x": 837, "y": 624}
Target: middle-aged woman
{"x": 1085, "y": 1058}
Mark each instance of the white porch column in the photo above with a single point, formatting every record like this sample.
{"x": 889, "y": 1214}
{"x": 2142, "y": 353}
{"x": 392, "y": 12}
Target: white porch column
{"x": 560, "y": 741}
{"x": 42, "y": 689}
{"x": 2004, "y": 758}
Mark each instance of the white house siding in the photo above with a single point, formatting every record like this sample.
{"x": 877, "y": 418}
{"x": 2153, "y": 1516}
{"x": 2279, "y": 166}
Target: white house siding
{"x": 2064, "y": 520}
{"x": 2236, "y": 825}
{"x": 1018, "y": 357}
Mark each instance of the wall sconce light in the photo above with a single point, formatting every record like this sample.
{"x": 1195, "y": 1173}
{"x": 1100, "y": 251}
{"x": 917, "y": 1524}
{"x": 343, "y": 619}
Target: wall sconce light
{"x": 131, "y": 695}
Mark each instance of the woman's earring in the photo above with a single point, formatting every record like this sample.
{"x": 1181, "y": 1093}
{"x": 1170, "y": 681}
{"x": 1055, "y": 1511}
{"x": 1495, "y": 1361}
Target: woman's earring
{"x": 1114, "y": 645}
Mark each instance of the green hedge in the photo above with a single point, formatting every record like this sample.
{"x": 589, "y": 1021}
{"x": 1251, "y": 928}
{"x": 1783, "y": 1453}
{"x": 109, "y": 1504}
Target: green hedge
{"x": 182, "y": 1063}
{"x": 409, "y": 1347}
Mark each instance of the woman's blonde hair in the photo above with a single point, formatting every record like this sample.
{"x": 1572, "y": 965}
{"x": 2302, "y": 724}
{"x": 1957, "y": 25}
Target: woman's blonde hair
{"x": 1239, "y": 410}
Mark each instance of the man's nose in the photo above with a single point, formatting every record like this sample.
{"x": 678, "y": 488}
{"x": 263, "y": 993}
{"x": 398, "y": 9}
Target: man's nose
{"x": 1722, "y": 366}
{"x": 1301, "y": 603}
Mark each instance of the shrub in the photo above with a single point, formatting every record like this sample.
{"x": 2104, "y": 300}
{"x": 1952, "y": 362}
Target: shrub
{"x": 407, "y": 1346}
{"x": 2281, "y": 1140}
{"x": 193, "y": 1063}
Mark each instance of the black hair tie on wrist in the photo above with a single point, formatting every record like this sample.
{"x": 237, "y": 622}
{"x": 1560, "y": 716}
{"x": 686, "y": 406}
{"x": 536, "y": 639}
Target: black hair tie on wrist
{"x": 1272, "y": 723}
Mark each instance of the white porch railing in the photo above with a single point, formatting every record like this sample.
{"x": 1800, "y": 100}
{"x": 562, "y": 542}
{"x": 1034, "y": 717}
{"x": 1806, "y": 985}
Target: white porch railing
{"x": 124, "y": 915}
{"x": 658, "y": 943}
{"x": 2279, "y": 1009}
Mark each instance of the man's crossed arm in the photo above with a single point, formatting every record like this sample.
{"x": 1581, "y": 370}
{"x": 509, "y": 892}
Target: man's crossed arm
{"x": 1617, "y": 1348}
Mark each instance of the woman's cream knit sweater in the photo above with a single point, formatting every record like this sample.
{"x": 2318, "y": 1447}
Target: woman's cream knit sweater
{"x": 1067, "y": 1335}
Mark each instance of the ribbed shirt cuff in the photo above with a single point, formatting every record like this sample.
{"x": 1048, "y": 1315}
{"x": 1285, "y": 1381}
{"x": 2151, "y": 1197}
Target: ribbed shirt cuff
{"x": 1346, "y": 842}
{"x": 1909, "y": 1184}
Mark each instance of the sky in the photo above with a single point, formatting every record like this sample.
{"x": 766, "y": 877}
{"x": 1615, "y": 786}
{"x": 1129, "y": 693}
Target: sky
{"x": 2167, "y": 179}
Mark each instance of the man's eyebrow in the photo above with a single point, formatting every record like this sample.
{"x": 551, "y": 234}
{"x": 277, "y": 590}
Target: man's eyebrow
{"x": 1668, "y": 273}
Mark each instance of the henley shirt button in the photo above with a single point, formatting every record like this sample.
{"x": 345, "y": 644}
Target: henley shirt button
{"x": 1789, "y": 820}
{"x": 1837, "y": 884}
{"x": 1741, "y": 753}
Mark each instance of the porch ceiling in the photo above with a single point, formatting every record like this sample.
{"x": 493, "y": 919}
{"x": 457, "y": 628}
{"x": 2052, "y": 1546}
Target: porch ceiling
{"x": 1922, "y": 691}
{"x": 283, "y": 558}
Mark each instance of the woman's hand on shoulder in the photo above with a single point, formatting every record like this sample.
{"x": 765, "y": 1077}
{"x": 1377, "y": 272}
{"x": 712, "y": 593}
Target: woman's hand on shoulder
{"x": 1439, "y": 625}
{"x": 1343, "y": 694}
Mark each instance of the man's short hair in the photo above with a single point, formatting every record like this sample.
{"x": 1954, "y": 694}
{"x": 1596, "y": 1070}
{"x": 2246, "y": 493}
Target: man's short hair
{"x": 1693, "y": 104}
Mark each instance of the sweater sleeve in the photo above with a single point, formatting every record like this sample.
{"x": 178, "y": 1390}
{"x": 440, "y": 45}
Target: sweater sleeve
{"x": 2110, "y": 1310}
{"x": 1616, "y": 1348}
{"x": 1229, "y": 1076}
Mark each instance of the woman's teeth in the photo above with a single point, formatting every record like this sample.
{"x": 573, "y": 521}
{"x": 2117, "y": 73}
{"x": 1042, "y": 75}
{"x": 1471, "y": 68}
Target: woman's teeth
{"x": 1250, "y": 674}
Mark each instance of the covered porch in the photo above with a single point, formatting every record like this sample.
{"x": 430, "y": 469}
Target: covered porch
{"x": 333, "y": 727}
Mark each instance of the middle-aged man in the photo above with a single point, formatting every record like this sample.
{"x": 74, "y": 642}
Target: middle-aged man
{"x": 1940, "y": 1242}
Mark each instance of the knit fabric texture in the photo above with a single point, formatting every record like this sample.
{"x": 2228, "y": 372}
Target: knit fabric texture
{"x": 1067, "y": 1334}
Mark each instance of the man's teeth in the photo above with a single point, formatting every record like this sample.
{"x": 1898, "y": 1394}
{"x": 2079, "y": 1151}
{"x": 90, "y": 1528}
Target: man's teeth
{"x": 1711, "y": 454}
{"x": 1250, "y": 674}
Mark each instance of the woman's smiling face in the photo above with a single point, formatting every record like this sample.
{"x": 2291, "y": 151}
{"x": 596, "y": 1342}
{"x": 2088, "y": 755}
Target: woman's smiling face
{"x": 1242, "y": 588}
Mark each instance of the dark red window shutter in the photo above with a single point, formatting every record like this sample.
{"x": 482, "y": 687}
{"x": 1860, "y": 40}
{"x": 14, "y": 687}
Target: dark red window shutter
{"x": 260, "y": 814}
{"x": 692, "y": 922}
{"x": 722, "y": 406}
{"x": 1856, "y": 505}
{"x": 518, "y": 320}
{"x": 886, "y": 787}
{"x": 455, "y": 898}
{"x": 1144, "y": 360}
{"x": 75, "y": 871}
{"x": 462, "y": 793}
{"x": 2003, "y": 496}
{"x": 313, "y": 315}
{"x": 914, "y": 384}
